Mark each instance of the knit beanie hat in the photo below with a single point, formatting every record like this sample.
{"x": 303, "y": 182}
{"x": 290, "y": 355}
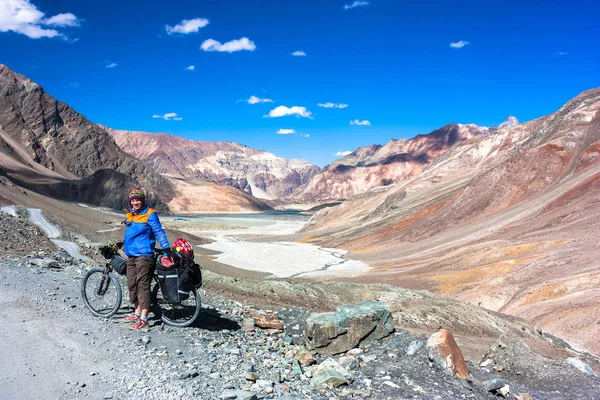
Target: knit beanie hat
{"x": 137, "y": 194}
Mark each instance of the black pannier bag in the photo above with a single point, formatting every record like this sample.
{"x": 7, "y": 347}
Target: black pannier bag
{"x": 119, "y": 264}
{"x": 191, "y": 277}
{"x": 169, "y": 279}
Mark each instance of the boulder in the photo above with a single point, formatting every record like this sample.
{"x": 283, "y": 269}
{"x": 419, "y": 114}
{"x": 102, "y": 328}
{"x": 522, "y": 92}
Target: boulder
{"x": 348, "y": 327}
{"x": 330, "y": 373}
{"x": 580, "y": 365}
{"x": 444, "y": 352}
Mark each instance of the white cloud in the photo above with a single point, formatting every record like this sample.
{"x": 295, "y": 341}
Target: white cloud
{"x": 62, "y": 20}
{"x": 256, "y": 100}
{"x": 190, "y": 68}
{"x": 234, "y": 45}
{"x": 356, "y": 3}
{"x": 111, "y": 65}
{"x": 304, "y": 135}
{"x": 333, "y": 105}
{"x": 286, "y": 132}
{"x": 73, "y": 85}
{"x": 187, "y": 26}
{"x": 168, "y": 117}
{"x": 282, "y": 111}
{"x": 342, "y": 153}
{"x": 562, "y": 53}
{"x": 357, "y": 122}
{"x": 21, "y": 16}
{"x": 299, "y": 53}
{"x": 459, "y": 45}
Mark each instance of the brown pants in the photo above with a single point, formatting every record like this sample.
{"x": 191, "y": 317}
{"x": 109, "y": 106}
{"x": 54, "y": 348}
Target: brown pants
{"x": 139, "y": 278}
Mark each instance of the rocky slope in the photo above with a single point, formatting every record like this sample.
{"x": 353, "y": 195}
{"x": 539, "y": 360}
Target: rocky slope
{"x": 507, "y": 221}
{"x": 47, "y": 145}
{"x": 374, "y": 166}
{"x": 257, "y": 172}
{"x": 228, "y": 355}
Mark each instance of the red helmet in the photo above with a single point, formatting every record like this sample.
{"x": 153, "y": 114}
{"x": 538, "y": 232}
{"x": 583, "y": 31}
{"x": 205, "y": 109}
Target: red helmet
{"x": 182, "y": 246}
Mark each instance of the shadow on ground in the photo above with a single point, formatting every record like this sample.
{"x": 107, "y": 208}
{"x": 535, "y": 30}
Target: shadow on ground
{"x": 209, "y": 319}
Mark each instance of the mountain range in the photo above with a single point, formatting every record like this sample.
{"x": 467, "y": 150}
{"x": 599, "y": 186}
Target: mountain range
{"x": 508, "y": 221}
{"x": 260, "y": 173}
{"x": 504, "y": 217}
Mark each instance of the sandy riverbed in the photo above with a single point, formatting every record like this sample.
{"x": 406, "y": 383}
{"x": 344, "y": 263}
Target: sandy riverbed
{"x": 278, "y": 258}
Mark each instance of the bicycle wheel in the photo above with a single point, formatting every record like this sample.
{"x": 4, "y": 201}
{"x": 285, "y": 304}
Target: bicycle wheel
{"x": 101, "y": 292}
{"x": 181, "y": 313}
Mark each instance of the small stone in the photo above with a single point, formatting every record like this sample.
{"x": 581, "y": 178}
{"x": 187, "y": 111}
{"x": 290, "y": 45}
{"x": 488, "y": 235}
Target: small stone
{"x": 391, "y": 384}
{"x": 184, "y": 375}
{"x": 296, "y": 367}
{"x": 413, "y": 347}
{"x": 237, "y": 395}
{"x": 494, "y": 384}
{"x": 305, "y": 357}
{"x": 504, "y": 390}
{"x": 486, "y": 362}
{"x": 107, "y": 396}
{"x": 251, "y": 376}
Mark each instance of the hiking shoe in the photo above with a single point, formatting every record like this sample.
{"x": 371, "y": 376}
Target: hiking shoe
{"x": 131, "y": 318}
{"x": 139, "y": 325}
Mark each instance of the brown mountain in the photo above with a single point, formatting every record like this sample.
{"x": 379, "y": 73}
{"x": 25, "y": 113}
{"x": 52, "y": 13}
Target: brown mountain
{"x": 508, "y": 221}
{"x": 374, "y": 166}
{"x": 46, "y": 145}
{"x": 258, "y": 172}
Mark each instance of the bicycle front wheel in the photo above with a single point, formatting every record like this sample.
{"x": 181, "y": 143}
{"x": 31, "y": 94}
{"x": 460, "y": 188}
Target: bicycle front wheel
{"x": 101, "y": 292}
{"x": 181, "y": 313}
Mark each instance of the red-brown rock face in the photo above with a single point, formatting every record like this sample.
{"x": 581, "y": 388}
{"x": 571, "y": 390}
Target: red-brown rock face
{"x": 507, "y": 221}
{"x": 374, "y": 166}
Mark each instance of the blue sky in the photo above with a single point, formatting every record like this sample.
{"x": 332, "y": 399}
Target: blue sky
{"x": 404, "y": 67}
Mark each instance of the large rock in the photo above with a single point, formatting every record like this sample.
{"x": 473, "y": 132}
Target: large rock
{"x": 444, "y": 352}
{"x": 348, "y": 327}
{"x": 330, "y": 373}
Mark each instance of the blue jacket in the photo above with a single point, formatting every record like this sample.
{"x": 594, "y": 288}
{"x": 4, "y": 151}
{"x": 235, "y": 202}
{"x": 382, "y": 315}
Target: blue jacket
{"x": 141, "y": 231}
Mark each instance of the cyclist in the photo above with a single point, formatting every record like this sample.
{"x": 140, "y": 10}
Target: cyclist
{"x": 142, "y": 229}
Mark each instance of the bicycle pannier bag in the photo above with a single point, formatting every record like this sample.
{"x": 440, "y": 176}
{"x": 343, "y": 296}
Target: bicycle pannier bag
{"x": 119, "y": 264}
{"x": 169, "y": 279}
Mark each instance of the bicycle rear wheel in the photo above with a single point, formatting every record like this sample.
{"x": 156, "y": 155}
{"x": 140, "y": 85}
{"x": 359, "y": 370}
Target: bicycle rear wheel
{"x": 101, "y": 292}
{"x": 181, "y": 313}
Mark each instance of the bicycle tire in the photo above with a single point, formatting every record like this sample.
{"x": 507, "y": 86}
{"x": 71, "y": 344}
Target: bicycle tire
{"x": 101, "y": 301}
{"x": 179, "y": 314}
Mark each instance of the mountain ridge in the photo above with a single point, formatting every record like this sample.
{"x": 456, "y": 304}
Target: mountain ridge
{"x": 506, "y": 221}
{"x": 258, "y": 172}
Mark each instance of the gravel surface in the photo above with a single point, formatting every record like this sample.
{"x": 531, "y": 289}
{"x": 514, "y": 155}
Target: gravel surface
{"x": 50, "y": 340}
{"x": 51, "y": 347}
